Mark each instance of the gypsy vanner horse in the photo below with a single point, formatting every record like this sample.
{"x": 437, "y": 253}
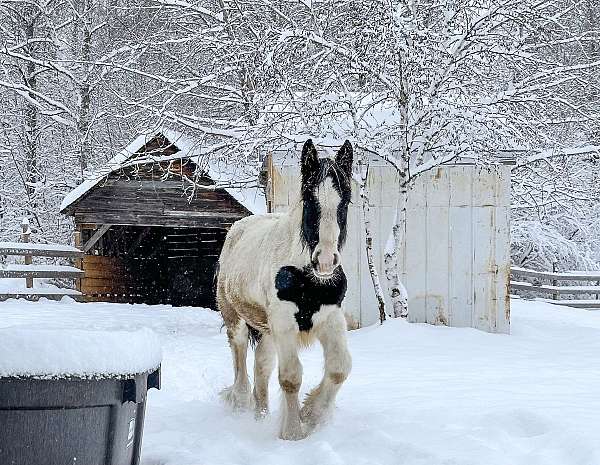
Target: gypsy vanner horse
{"x": 281, "y": 284}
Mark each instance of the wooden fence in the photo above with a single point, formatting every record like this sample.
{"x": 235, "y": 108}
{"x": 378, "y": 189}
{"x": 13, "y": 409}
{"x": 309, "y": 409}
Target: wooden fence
{"x": 28, "y": 270}
{"x": 554, "y": 286}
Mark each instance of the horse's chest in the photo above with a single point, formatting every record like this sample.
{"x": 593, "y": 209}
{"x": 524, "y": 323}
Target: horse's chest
{"x": 307, "y": 293}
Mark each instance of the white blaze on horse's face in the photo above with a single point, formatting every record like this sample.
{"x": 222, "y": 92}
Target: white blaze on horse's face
{"x": 326, "y": 256}
{"x": 326, "y": 193}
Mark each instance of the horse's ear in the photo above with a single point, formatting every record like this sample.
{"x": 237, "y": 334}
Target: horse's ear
{"x": 309, "y": 161}
{"x": 344, "y": 158}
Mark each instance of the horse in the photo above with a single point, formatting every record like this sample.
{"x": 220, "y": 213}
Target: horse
{"x": 280, "y": 286}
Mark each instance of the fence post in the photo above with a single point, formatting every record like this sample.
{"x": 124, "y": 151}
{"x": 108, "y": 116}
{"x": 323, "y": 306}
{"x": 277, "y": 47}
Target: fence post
{"x": 78, "y": 261}
{"x": 555, "y": 281}
{"x": 25, "y": 237}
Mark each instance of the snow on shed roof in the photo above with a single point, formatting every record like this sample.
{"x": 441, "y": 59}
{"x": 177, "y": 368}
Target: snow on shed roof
{"x": 237, "y": 179}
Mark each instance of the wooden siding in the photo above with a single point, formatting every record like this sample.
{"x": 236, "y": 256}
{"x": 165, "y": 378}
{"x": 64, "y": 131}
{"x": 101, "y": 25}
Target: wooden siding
{"x": 153, "y": 265}
{"x": 360, "y": 304}
{"x": 454, "y": 259}
{"x": 157, "y": 194}
{"x": 160, "y": 227}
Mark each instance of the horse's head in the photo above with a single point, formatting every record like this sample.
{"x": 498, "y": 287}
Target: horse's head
{"x": 326, "y": 192}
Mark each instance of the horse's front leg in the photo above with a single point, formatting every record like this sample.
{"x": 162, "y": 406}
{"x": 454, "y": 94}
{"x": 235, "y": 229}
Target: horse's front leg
{"x": 331, "y": 332}
{"x": 285, "y": 336}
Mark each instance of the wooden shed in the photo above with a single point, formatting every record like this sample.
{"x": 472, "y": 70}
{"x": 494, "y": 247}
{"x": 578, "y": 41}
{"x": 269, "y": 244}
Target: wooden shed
{"x": 153, "y": 220}
{"x": 454, "y": 258}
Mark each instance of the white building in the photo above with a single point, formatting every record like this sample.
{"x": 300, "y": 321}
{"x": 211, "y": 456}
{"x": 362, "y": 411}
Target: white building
{"x": 455, "y": 255}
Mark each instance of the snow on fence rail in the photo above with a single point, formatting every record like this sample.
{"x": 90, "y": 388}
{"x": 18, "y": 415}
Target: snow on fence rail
{"x": 29, "y": 270}
{"x": 546, "y": 283}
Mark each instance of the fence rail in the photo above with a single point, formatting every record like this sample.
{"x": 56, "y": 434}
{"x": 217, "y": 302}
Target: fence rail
{"x": 552, "y": 283}
{"x": 29, "y": 270}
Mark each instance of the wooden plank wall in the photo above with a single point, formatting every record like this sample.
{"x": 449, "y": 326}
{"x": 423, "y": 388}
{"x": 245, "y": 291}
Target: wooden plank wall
{"x": 151, "y": 195}
{"x": 360, "y": 304}
{"x": 454, "y": 260}
{"x": 456, "y": 254}
{"x": 106, "y": 279}
{"x": 153, "y": 265}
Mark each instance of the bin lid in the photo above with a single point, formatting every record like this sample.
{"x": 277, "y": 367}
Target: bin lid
{"x": 68, "y": 352}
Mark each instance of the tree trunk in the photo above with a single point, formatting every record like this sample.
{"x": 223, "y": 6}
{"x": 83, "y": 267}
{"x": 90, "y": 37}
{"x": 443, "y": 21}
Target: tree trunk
{"x": 83, "y": 21}
{"x": 364, "y": 195}
{"x": 397, "y": 290}
{"x": 398, "y": 294}
{"x": 31, "y": 117}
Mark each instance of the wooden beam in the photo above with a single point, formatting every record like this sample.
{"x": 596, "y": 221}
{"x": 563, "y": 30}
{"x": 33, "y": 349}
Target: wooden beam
{"x": 96, "y": 237}
{"x": 26, "y": 232}
{"x": 36, "y": 294}
{"x": 523, "y": 286}
{"x": 202, "y": 214}
{"x": 78, "y": 261}
{"x": 39, "y": 250}
{"x": 564, "y": 276}
{"x": 129, "y": 219}
{"x": 40, "y": 271}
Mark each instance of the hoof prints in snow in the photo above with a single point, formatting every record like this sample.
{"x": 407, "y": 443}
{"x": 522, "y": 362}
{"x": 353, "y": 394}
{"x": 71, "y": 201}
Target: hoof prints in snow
{"x": 418, "y": 394}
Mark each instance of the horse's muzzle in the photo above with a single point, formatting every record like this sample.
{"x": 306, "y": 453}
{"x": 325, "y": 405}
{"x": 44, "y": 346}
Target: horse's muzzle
{"x": 324, "y": 263}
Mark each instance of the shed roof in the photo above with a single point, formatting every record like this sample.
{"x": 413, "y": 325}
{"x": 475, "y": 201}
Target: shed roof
{"x": 237, "y": 179}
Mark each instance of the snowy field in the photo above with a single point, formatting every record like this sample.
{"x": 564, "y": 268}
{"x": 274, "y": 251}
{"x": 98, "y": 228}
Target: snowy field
{"x": 417, "y": 394}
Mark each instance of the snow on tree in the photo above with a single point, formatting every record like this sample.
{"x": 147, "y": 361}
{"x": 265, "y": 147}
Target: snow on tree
{"x": 417, "y": 83}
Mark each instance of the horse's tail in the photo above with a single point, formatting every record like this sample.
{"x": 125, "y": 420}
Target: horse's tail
{"x": 214, "y": 286}
{"x": 216, "y": 276}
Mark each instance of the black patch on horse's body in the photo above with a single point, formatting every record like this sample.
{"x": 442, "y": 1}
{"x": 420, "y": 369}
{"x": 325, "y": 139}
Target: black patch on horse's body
{"x": 300, "y": 287}
{"x": 314, "y": 172}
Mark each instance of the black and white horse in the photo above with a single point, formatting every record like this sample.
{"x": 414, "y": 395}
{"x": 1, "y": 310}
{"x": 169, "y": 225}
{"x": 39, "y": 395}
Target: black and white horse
{"x": 281, "y": 284}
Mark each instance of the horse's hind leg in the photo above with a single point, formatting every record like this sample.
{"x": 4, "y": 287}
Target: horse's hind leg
{"x": 264, "y": 362}
{"x": 238, "y": 395}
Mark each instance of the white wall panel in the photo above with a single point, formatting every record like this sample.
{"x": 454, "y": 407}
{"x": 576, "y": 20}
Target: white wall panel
{"x": 454, "y": 259}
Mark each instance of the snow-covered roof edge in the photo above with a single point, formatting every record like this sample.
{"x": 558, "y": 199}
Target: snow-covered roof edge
{"x": 113, "y": 164}
{"x": 248, "y": 195}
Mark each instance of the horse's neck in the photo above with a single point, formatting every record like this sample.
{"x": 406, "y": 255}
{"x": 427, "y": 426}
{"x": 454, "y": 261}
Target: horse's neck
{"x": 291, "y": 229}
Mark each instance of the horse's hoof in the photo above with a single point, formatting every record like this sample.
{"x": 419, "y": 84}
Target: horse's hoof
{"x": 308, "y": 417}
{"x": 261, "y": 414}
{"x": 293, "y": 435}
{"x": 239, "y": 401}
{"x": 305, "y": 413}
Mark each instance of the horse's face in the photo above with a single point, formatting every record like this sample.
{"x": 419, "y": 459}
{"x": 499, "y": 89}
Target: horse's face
{"x": 326, "y": 193}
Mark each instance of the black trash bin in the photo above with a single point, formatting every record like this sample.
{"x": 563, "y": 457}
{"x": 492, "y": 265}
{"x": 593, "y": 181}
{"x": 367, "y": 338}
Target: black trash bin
{"x": 73, "y": 421}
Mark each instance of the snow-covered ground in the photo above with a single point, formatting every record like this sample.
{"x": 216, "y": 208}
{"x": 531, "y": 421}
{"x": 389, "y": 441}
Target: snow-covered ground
{"x": 418, "y": 394}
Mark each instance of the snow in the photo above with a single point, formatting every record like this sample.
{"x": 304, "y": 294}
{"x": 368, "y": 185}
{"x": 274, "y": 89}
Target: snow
{"x": 567, "y": 275}
{"x": 42, "y": 340}
{"x": 97, "y": 177}
{"x": 19, "y": 286}
{"x": 417, "y": 394}
{"x": 19, "y": 291}
{"x": 39, "y": 268}
{"x": 236, "y": 178}
{"x": 30, "y": 246}
{"x": 72, "y": 352}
